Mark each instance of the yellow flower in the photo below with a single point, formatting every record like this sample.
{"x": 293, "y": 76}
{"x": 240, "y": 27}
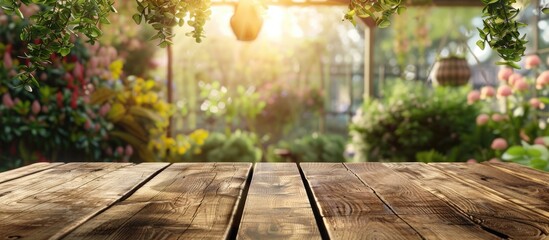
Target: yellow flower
{"x": 116, "y": 69}
{"x": 181, "y": 150}
{"x": 199, "y": 136}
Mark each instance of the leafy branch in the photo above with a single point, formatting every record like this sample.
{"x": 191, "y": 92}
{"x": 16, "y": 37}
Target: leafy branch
{"x": 52, "y": 28}
{"x": 381, "y": 11}
{"x": 163, "y": 15}
{"x": 501, "y": 31}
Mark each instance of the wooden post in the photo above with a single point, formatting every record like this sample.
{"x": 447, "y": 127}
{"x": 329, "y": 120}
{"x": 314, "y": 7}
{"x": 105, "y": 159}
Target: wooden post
{"x": 170, "y": 85}
{"x": 369, "y": 37}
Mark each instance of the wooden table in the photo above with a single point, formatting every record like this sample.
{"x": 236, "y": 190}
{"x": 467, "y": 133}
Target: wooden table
{"x": 274, "y": 200}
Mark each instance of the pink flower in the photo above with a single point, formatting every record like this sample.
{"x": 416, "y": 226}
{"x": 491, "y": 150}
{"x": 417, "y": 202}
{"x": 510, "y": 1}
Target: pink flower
{"x": 496, "y": 117}
{"x": 514, "y": 78}
{"x": 520, "y": 85}
{"x": 499, "y": 144}
{"x": 539, "y": 141}
{"x": 504, "y": 73}
{"x": 8, "y": 62}
{"x": 78, "y": 71}
{"x": 532, "y": 61}
{"x": 536, "y": 103}
{"x": 88, "y": 125}
{"x": 35, "y": 108}
{"x": 104, "y": 109}
{"x": 473, "y": 96}
{"x": 504, "y": 91}
{"x": 487, "y": 92}
{"x": 542, "y": 80}
{"x": 7, "y": 101}
{"x": 129, "y": 150}
{"x": 482, "y": 119}
{"x": 120, "y": 150}
{"x": 471, "y": 161}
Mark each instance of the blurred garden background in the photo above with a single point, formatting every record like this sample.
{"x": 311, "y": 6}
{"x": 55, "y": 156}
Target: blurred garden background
{"x": 311, "y": 87}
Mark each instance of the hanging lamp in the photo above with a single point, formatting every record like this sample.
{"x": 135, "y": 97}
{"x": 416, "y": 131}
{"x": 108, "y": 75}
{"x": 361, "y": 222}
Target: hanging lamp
{"x": 246, "y": 21}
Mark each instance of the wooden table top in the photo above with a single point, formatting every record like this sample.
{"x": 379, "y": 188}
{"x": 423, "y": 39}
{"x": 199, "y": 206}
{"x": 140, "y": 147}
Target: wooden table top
{"x": 274, "y": 201}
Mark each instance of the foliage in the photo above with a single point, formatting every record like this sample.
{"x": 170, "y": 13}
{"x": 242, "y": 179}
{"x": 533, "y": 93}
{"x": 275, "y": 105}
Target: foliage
{"x": 244, "y": 105}
{"x": 535, "y": 156}
{"x": 238, "y": 146}
{"x": 516, "y": 115}
{"x": 61, "y": 20}
{"x": 380, "y": 11}
{"x": 315, "y": 148}
{"x": 138, "y": 113}
{"x": 56, "y": 122}
{"x": 501, "y": 31}
{"x": 413, "y": 119}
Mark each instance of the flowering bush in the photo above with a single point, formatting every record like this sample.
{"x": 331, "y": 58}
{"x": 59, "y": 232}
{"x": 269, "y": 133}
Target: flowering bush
{"x": 54, "y": 122}
{"x": 515, "y": 115}
{"x": 412, "y": 123}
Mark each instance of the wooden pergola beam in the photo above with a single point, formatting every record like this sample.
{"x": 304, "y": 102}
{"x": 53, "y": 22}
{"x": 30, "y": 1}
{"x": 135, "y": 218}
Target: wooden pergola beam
{"x": 438, "y": 3}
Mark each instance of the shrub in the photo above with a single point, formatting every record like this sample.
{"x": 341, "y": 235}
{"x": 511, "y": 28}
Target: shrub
{"x": 236, "y": 147}
{"x": 413, "y": 120}
{"x": 314, "y": 148}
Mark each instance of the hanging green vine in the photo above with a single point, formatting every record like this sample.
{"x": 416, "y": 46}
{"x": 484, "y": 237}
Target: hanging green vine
{"x": 52, "y": 28}
{"x": 501, "y": 31}
{"x": 381, "y": 11}
{"x": 60, "y": 20}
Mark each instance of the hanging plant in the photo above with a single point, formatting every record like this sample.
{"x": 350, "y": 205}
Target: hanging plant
{"x": 61, "y": 20}
{"x": 501, "y": 31}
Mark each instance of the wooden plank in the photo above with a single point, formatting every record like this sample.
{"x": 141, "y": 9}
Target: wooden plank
{"x": 522, "y": 171}
{"x": 49, "y": 204}
{"x": 524, "y": 192}
{"x": 26, "y": 170}
{"x": 277, "y": 205}
{"x": 185, "y": 201}
{"x": 496, "y": 214}
{"x": 430, "y": 216}
{"x": 349, "y": 208}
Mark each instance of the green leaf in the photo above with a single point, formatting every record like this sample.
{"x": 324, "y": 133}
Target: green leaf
{"x": 137, "y": 18}
{"x": 538, "y": 163}
{"x": 480, "y": 44}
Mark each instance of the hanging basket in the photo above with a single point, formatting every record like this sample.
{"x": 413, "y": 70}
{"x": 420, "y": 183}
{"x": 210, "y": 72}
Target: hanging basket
{"x": 452, "y": 71}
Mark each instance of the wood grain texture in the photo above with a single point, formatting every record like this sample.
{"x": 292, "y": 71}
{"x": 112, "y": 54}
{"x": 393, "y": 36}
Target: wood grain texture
{"x": 185, "y": 201}
{"x": 26, "y": 170}
{"x": 522, "y": 171}
{"x": 51, "y": 203}
{"x": 349, "y": 208}
{"x": 527, "y": 193}
{"x": 429, "y": 215}
{"x": 277, "y": 206}
{"x": 491, "y": 211}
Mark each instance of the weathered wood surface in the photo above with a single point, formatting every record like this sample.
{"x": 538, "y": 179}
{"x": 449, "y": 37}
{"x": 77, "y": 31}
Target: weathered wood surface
{"x": 52, "y": 202}
{"x": 494, "y": 213}
{"x": 283, "y": 201}
{"x": 429, "y": 215}
{"x": 277, "y": 205}
{"x": 26, "y": 170}
{"x": 185, "y": 201}
{"x": 524, "y": 172}
{"x": 529, "y": 194}
{"x": 349, "y": 208}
